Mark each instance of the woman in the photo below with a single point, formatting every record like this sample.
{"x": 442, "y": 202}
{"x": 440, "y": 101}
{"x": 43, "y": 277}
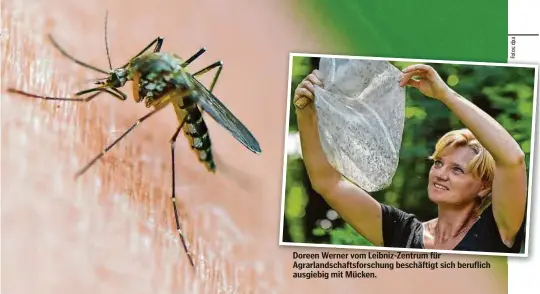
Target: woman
{"x": 478, "y": 179}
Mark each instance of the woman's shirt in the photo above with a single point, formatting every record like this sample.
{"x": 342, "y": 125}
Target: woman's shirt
{"x": 404, "y": 230}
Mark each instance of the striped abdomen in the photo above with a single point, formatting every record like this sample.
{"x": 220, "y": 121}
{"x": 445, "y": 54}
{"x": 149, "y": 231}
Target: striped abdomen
{"x": 197, "y": 134}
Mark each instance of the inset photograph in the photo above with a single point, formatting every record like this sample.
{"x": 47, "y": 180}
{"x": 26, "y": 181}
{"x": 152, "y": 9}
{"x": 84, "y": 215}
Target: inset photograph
{"x": 408, "y": 155}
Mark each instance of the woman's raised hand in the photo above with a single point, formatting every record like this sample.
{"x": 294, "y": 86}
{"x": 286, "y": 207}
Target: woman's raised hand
{"x": 304, "y": 93}
{"x": 426, "y": 80}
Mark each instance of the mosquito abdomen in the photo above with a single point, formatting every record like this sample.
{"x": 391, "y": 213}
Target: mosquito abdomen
{"x": 197, "y": 134}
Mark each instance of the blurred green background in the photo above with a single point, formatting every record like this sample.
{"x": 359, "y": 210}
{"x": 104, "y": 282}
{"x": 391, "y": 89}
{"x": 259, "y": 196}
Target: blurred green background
{"x": 506, "y": 93}
{"x": 442, "y": 30}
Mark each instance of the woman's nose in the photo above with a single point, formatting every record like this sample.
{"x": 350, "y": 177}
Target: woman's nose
{"x": 441, "y": 174}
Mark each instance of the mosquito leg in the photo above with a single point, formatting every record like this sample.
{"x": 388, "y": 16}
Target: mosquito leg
{"x": 121, "y": 95}
{"x": 75, "y": 59}
{"x": 117, "y": 94}
{"x": 176, "y": 217}
{"x": 85, "y": 168}
{"x": 194, "y": 56}
{"x": 158, "y": 45}
{"x": 158, "y": 42}
{"x": 217, "y": 64}
{"x": 86, "y": 99}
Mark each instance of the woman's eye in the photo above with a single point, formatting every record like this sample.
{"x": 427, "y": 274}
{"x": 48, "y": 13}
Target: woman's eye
{"x": 437, "y": 163}
{"x": 458, "y": 170}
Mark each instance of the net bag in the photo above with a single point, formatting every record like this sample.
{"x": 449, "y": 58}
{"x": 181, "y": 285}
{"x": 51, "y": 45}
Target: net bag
{"x": 361, "y": 115}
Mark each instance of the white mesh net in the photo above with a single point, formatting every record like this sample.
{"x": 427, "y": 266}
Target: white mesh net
{"x": 361, "y": 114}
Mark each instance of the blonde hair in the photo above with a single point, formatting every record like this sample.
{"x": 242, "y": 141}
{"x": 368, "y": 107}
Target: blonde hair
{"x": 482, "y": 166}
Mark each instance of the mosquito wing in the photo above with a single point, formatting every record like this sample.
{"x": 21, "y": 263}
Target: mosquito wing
{"x": 219, "y": 112}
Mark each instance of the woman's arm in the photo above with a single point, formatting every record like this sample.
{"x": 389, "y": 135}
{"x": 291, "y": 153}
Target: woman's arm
{"x": 509, "y": 188}
{"x": 353, "y": 204}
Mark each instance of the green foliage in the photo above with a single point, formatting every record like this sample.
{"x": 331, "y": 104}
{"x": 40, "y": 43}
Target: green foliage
{"x": 505, "y": 93}
{"x": 295, "y": 200}
{"x": 302, "y": 66}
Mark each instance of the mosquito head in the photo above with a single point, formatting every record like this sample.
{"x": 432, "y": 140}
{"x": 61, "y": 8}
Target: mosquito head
{"x": 117, "y": 78}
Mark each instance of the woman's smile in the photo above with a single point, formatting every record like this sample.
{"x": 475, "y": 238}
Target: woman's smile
{"x": 440, "y": 187}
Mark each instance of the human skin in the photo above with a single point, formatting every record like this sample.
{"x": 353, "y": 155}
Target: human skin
{"x": 112, "y": 230}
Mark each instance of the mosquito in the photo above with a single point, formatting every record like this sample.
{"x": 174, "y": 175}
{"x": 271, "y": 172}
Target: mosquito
{"x": 159, "y": 79}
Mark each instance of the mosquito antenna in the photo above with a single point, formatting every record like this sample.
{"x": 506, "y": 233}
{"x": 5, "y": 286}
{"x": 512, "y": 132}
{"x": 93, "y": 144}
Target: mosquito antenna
{"x": 106, "y": 42}
{"x": 67, "y": 55}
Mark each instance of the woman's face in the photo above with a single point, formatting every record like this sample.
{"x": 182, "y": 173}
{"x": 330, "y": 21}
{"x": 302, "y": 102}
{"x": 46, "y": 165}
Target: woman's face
{"x": 449, "y": 180}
